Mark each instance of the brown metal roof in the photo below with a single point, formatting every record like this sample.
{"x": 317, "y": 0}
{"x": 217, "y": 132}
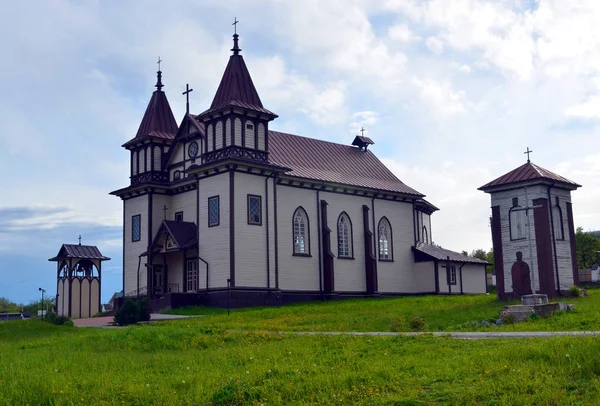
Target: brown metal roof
{"x": 425, "y": 252}
{"x": 79, "y": 252}
{"x": 424, "y": 205}
{"x": 158, "y": 120}
{"x": 330, "y": 162}
{"x": 236, "y": 89}
{"x": 528, "y": 172}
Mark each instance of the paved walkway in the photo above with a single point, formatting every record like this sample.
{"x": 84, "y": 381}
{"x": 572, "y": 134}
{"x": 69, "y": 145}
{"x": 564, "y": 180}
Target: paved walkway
{"x": 108, "y": 321}
{"x": 462, "y": 335}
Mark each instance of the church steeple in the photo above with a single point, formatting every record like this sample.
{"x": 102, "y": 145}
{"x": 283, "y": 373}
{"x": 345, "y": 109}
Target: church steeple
{"x": 236, "y": 122}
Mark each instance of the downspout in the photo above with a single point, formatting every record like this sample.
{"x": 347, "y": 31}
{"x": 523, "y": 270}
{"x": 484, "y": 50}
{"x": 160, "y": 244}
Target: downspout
{"x": 319, "y": 237}
{"x": 206, "y": 263}
{"x": 375, "y": 246}
{"x": 554, "y": 239}
{"x": 461, "y": 283}
{"x": 267, "y": 224}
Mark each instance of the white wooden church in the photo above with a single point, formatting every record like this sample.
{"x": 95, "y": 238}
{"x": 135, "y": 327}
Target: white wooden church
{"x": 222, "y": 206}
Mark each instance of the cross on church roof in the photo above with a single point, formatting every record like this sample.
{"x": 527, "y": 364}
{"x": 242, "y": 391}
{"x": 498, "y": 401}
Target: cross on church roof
{"x": 158, "y": 62}
{"x": 79, "y": 239}
{"x": 235, "y": 21}
{"x": 159, "y": 84}
{"x": 187, "y": 97}
{"x": 165, "y": 211}
{"x": 362, "y": 131}
{"x": 236, "y": 49}
{"x": 528, "y": 152}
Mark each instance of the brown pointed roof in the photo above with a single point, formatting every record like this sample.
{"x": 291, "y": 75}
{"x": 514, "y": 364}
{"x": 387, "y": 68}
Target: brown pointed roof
{"x": 158, "y": 120}
{"x": 79, "y": 252}
{"x": 236, "y": 88}
{"x": 528, "y": 172}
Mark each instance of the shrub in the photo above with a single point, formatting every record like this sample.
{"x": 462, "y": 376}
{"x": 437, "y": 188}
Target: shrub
{"x": 396, "y": 324}
{"x": 54, "y": 318}
{"x": 574, "y": 291}
{"x": 416, "y": 323}
{"x": 508, "y": 318}
{"x": 131, "y": 312}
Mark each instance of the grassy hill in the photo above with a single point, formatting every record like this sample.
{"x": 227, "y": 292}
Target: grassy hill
{"x": 222, "y": 360}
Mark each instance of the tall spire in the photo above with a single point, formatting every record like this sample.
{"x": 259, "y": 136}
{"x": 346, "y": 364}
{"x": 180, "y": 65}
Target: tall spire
{"x": 159, "y": 84}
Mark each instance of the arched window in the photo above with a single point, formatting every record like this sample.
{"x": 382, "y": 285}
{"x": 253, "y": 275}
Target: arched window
{"x": 425, "y": 236}
{"x": 301, "y": 232}
{"x": 559, "y": 232}
{"x": 517, "y": 223}
{"x": 385, "y": 240}
{"x": 344, "y": 227}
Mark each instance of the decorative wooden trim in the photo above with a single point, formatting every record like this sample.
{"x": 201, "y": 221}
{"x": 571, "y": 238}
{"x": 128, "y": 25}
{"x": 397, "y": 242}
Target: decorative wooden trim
{"x": 370, "y": 271}
{"x": 543, "y": 240}
{"x": 328, "y": 266}
{"x": 498, "y": 253}
{"x": 571, "y": 228}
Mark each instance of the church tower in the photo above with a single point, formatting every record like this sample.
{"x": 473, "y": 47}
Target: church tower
{"x": 236, "y": 123}
{"x": 152, "y": 141}
{"x": 533, "y": 232}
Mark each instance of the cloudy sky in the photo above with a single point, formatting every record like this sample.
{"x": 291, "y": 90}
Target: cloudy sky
{"x": 451, "y": 91}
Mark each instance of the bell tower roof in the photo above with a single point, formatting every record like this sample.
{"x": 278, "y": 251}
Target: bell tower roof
{"x": 236, "y": 88}
{"x": 158, "y": 120}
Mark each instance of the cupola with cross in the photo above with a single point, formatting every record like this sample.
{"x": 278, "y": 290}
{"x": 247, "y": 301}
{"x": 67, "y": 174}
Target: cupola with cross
{"x": 153, "y": 138}
{"x": 236, "y": 122}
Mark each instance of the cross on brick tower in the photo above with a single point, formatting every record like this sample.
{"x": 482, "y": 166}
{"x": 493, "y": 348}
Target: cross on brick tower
{"x": 165, "y": 211}
{"x": 187, "y": 97}
{"x": 362, "y": 131}
{"x": 528, "y": 152}
{"x": 235, "y": 21}
{"x": 79, "y": 239}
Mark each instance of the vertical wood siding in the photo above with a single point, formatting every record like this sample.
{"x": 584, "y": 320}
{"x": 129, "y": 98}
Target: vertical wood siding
{"x": 219, "y": 135}
{"x": 474, "y": 278}
{"x": 238, "y": 132}
{"x": 135, "y": 206}
{"x": 261, "y": 136}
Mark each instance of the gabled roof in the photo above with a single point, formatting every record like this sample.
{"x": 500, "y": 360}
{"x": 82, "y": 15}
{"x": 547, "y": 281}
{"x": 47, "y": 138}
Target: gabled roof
{"x": 184, "y": 234}
{"x": 182, "y": 134}
{"x": 236, "y": 88}
{"x": 528, "y": 172}
{"x": 79, "y": 252}
{"x": 428, "y": 252}
{"x": 158, "y": 120}
{"x": 425, "y": 206}
{"x": 330, "y": 162}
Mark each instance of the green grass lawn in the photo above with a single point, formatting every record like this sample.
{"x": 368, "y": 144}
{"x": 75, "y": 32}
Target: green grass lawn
{"x": 440, "y": 313}
{"x": 181, "y": 363}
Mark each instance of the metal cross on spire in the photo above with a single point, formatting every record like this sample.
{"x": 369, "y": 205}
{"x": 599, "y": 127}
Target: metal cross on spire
{"x": 362, "y": 131}
{"x": 528, "y": 152}
{"x": 79, "y": 239}
{"x": 236, "y": 49}
{"x": 235, "y": 21}
{"x": 158, "y": 62}
{"x": 159, "y": 84}
{"x": 187, "y": 97}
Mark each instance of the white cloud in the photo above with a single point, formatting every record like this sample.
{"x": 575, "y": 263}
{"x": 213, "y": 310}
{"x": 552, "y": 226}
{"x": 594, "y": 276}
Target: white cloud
{"x": 440, "y": 97}
{"x": 435, "y": 45}
{"x": 401, "y": 33}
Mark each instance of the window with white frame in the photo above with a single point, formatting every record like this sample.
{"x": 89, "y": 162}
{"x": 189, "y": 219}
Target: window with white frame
{"x": 425, "y": 235}
{"x": 301, "y": 246}
{"x": 192, "y": 275}
{"x": 385, "y": 239}
{"x": 451, "y": 273}
{"x": 213, "y": 211}
{"x": 344, "y": 227}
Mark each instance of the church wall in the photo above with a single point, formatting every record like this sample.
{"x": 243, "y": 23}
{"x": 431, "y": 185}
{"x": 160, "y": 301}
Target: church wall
{"x": 510, "y": 248}
{"x": 249, "y": 132}
{"x": 75, "y": 292}
{"x": 157, "y": 158}
{"x": 214, "y": 241}
{"x": 158, "y": 214}
{"x": 228, "y": 132}
{"x": 62, "y": 295}
{"x": 142, "y": 161}
{"x": 209, "y": 137}
{"x": 297, "y": 272}
{"x": 185, "y": 202}
{"x": 134, "y": 165}
{"x": 250, "y": 240}
{"x": 427, "y": 224}
{"x": 349, "y": 273}
{"x": 148, "y": 159}
{"x": 175, "y": 271}
{"x": 95, "y": 297}
{"x": 135, "y": 206}
{"x": 443, "y": 278}
{"x": 563, "y": 247}
{"x": 177, "y": 155}
{"x": 85, "y": 298}
{"x": 401, "y": 275}
{"x": 474, "y": 278}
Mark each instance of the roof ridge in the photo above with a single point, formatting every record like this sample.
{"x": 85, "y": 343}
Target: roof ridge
{"x": 317, "y": 139}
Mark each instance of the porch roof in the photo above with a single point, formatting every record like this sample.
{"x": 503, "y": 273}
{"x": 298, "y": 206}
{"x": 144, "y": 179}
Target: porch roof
{"x": 184, "y": 234}
{"x": 428, "y": 252}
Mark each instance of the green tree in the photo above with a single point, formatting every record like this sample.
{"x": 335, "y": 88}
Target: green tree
{"x": 8, "y": 306}
{"x": 588, "y": 248}
{"x": 484, "y": 255}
